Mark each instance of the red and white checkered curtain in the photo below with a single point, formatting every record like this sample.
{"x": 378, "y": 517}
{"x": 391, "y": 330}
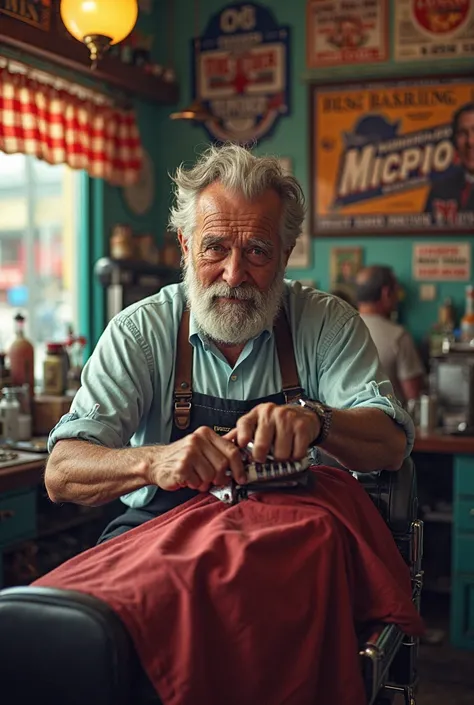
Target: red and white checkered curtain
{"x": 62, "y": 128}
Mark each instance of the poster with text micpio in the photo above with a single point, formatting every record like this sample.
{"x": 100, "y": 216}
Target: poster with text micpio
{"x": 393, "y": 157}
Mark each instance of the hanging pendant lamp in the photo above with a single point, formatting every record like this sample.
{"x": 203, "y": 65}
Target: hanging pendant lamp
{"x": 99, "y": 23}
{"x": 196, "y": 112}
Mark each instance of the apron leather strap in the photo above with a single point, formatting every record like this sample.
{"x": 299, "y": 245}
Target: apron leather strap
{"x": 286, "y": 357}
{"x": 183, "y": 391}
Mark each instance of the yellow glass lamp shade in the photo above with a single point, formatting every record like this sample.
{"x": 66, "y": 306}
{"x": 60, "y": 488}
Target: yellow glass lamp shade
{"x": 111, "y": 19}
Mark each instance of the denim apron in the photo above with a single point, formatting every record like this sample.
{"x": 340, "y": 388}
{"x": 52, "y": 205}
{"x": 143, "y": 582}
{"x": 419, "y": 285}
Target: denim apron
{"x": 192, "y": 410}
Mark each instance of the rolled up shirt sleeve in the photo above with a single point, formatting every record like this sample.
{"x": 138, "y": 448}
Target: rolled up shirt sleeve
{"x": 351, "y": 376}
{"x": 116, "y": 390}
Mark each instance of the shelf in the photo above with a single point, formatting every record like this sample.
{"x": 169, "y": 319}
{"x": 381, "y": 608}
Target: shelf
{"x": 57, "y": 47}
{"x": 139, "y": 266}
{"x": 126, "y": 272}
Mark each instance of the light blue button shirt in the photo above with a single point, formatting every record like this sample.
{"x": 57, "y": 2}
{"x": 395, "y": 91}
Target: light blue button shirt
{"x": 127, "y": 384}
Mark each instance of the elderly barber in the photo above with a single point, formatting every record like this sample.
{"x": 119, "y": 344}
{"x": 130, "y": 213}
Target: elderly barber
{"x": 139, "y": 429}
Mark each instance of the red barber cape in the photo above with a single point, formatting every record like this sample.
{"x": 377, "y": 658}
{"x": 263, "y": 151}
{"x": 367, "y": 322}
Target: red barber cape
{"x": 253, "y": 604}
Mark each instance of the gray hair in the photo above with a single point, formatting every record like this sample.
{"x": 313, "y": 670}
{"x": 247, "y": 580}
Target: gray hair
{"x": 239, "y": 170}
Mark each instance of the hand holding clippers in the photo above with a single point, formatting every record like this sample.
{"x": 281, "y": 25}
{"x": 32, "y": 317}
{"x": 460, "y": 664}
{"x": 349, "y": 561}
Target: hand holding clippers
{"x": 269, "y": 476}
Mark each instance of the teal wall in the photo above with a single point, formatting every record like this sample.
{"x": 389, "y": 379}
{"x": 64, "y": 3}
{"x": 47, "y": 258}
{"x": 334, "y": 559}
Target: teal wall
{"x": 171, "y": 142}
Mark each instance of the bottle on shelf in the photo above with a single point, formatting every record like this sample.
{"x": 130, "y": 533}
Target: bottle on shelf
{"x": 10, "y": 414}
{"x": 21, "y": 355}
{"x": 5, "y": 376}
{"x": 54, "y": 371}
{"x": 467, "y": 321}
{"x": 447, "y": 320}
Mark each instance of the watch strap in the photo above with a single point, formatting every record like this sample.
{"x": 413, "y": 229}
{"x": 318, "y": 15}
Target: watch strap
{"x": 325, "y": 420}
{"x": 324, "y": 413}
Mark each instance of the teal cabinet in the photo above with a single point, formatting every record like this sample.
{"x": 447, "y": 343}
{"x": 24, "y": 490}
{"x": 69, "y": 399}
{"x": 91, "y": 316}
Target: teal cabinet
{"x": 17, "y": 520}
{"x": 462, "y": 595}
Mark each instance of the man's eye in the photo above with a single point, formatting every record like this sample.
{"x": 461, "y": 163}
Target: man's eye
{"x": 215, "y": 251}
{"x": 256, "y": 252}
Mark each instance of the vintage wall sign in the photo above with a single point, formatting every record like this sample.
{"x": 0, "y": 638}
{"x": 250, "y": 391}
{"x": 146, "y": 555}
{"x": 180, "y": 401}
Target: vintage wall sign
{"x": 444, "y": 261}
{"x": 433, "y": 28}
{"x": 340, "y": 32}
{"x": 241, "y": 72}
{"x": 385, "y": 159}
{"x": 34, "y": 12}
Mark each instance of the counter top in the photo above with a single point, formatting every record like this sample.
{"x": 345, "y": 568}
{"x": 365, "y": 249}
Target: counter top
{"x": 433, "y": 442}
{"x": 31, "y": 473}
{"x": 20, "y": 476}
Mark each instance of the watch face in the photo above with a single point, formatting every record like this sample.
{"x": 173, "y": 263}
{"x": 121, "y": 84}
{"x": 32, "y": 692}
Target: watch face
{"x": 316, "y": 406}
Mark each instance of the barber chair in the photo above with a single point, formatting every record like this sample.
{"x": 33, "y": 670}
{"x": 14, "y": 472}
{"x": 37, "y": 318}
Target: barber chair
{"x": 66, "y": 648}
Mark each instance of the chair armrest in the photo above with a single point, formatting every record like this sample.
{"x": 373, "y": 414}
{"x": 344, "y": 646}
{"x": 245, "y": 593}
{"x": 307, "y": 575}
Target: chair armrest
{"x": 395, "y": 495}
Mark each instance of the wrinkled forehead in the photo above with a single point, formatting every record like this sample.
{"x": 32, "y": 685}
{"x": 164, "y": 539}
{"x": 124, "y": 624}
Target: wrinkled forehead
{"x": 221, "y": 208}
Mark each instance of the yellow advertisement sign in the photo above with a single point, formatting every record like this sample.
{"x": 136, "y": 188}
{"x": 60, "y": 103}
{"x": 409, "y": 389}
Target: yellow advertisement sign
{"x": 393, "y": 157}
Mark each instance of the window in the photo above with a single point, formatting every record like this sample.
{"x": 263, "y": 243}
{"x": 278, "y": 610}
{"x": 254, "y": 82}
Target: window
{"x": 38, "y": 250}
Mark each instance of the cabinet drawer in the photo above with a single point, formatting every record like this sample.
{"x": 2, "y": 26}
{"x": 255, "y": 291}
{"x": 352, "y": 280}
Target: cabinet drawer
{"x": 462, "y": 613}
{"x": 464, "y": 515}
{"x": 463, "y": 554}
{"x": 464, "y": 475}
{"x": 17, "y": 516}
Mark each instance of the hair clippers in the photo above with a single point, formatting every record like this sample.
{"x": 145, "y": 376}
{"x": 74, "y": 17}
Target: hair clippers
{"x": 271, "y": 475}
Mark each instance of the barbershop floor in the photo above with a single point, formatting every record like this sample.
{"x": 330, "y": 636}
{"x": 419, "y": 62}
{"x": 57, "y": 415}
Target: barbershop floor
{"x": 446, "y": 674}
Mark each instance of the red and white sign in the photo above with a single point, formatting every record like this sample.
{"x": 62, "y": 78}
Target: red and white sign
{"x": 433, "y": 28}
{"x": 442, "y": 262}
{"x": 10, "y": 277}
{"x": 241, "y": 72}
{"x": 340, "y": 32}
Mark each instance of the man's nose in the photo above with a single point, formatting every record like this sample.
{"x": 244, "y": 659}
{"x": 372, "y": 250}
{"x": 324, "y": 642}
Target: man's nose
{"x": 234, "y": 273}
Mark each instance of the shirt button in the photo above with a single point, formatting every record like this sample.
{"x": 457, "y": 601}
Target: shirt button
{"x": 233, "y": 378}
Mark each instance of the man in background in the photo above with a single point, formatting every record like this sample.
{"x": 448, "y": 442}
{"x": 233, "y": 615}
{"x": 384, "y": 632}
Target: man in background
{"x": 377, "y": 298}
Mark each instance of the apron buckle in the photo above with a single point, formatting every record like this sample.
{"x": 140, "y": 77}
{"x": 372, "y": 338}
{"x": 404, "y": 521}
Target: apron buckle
{"x": 182, "y": 411}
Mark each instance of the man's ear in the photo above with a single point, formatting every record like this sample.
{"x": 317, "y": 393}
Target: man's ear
{"x": 385, "y": 294}
{"x": 183, "y": 244}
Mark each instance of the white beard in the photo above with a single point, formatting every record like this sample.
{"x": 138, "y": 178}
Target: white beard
{"x": 233, "y": 322}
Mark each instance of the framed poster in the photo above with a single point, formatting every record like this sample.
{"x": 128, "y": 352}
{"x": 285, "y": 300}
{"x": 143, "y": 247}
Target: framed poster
{"x": 393, "y": 157}
{"x": 301, "y": 255}
{"x": 442, "y": 261}
{"x": 241, "y": 72}
{"x": 344, "y": 264}
{"x": 338, "y": 32}
{"x": 300, "y": 258}
{"x": 430, "y": 29}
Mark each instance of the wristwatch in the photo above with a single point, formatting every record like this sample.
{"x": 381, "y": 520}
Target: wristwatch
{"x": 324, "y": 414}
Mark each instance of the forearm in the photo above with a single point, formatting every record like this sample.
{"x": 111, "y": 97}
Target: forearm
{"x": 89, "y": 474}
{"x": 365, "y": 440}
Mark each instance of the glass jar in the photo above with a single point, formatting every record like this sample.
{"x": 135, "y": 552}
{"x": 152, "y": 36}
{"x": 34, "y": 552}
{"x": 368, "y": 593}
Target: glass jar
{"x": 121, "y": 242}
{"x": 54, "y": 382}
{"x": 9, "y": 414}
